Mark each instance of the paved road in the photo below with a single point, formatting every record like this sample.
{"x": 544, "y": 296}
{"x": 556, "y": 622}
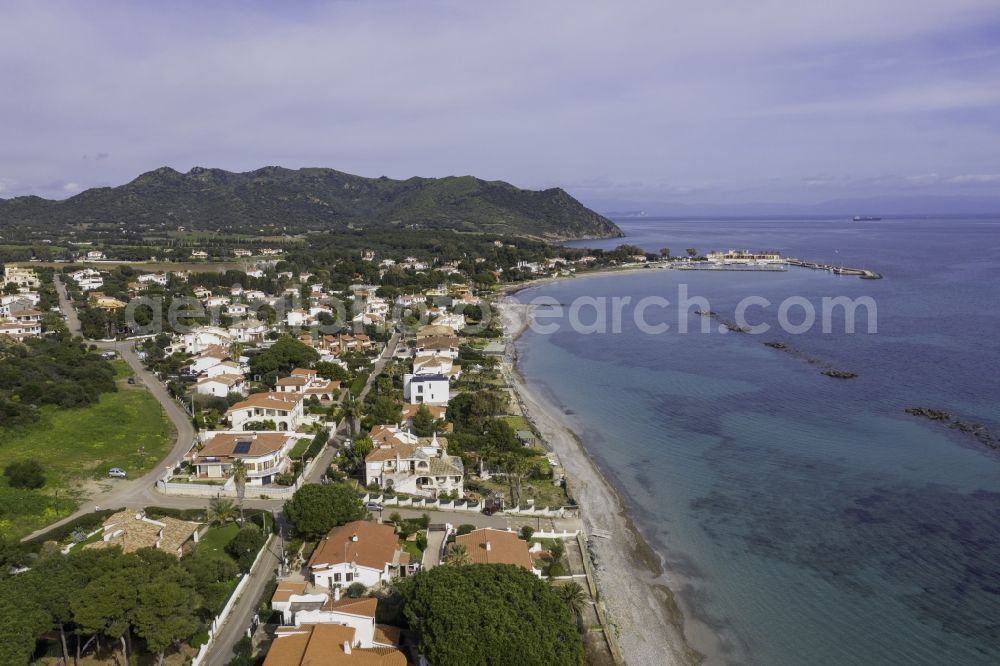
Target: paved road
{"x": 68, "y": 311}
{"x": 132, "y": 493}
{"x": 220, "y": 652}
{"x": 140, "y": 492}
{"x": 330, "y": 452}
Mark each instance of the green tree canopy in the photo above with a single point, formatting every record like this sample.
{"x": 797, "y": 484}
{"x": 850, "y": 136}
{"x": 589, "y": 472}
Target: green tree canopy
{"x": 423, "y": 423}
{"x": 245, "y": 545}
{"x": 167, "y": 612}
{"x": 284, "y": 355}
{"x": 316, "y": 509}
{"x": 484, "y": 613}
{"x": 385, "y": 410}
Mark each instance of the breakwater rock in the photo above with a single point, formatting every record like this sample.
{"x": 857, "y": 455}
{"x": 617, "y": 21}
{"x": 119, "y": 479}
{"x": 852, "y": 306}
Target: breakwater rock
{"x": 979, "y": 431}
{"x": 828, "y": 368}
{"x": 840, "y": 374}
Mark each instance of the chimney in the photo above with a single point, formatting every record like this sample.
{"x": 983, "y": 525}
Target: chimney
{"x": 336, "y": 593}
{"x": 347, "y": 647}
{"x": 488, "y": 547}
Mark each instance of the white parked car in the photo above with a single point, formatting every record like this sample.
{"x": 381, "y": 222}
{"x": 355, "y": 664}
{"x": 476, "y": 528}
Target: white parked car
{"x": 117, "y": 473}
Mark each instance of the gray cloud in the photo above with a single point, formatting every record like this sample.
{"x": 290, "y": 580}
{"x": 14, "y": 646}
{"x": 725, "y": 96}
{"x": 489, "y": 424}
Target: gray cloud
{"x": 696, "y": 101}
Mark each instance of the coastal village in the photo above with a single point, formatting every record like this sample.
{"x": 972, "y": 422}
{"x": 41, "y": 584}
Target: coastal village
{"x": 385, "y": 406}
{"x": 403, "y": 397}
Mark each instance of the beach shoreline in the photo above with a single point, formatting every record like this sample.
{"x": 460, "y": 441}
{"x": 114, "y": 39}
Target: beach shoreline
{"x": 643, "y": 611}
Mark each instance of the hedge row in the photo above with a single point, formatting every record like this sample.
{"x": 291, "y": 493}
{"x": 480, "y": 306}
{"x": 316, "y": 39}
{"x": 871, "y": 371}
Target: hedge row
{"x": 88, "y": 522}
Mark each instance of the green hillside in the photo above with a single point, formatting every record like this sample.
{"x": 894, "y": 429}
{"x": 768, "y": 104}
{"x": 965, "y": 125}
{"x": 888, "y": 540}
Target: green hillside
{"x": 275, "y": 199}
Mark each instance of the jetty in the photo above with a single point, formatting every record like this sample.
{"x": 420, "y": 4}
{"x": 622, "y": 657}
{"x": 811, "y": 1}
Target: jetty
{"x": 711, "y": 266}
{"x": 862, "y": 273}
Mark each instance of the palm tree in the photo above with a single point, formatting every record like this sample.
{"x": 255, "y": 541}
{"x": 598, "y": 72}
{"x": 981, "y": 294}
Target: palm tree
{"x": 515, "y": 466}
{"x": 458, "y": 555}
{"x": 557, "y": 550}
{"x": 574, "y": 596}
{"x": 221, "y": 510}
{"x": 352, "y": 412}
{"x": 239, "y": 470}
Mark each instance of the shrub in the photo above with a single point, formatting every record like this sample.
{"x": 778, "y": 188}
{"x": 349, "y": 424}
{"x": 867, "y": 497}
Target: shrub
{"x": 192, "y": 515}
{"x": 316, "y": 509}
{"x": 355, "y": 590}
{"x": 556, "y": 569}
{"x": 25, "y": 474}
{"x": 526, "y": 532}
{"x": 245, "y": 545}
{"x": 465, "y": 529}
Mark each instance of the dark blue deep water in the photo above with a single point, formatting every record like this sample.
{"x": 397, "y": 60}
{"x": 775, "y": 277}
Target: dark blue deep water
{"x": 804, "y": 519}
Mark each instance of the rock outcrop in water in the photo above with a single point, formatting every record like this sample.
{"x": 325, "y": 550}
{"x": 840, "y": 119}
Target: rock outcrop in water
{"x": 977, "y": 430}
{"x": 828, "y": 368}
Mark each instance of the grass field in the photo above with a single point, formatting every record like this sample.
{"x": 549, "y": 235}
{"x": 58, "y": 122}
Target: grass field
{"x": 217, "y": 538}
{"x": 516, "y": 422}
{"x": 127, "y": 429}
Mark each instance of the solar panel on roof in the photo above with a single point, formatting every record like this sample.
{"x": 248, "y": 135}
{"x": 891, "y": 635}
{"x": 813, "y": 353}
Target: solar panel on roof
{"x": 242, "y": 447}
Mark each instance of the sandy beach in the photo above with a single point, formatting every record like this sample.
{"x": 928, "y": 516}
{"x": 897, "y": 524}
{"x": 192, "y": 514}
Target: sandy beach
{"x": 630, "y": 577}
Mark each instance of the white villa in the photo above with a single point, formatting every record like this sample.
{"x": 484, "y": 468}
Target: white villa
{"x": 408, "y": 464}
{"x": 154, "y": 278}
{"x": 222, "y": 385}
{"x": 87, "y": 279}
{"x": 250, "y": 330}
{"x": 308, "y": 383}
{"x": 299, "y": 608}
{"x": 264, "y": 453}
{"x": 198, "y": 340}
{"x": 438, "y": 345}
{"x": 209, "y": 358}
{"x": 359, "y": 552}
{"x": 456, "y": 322}
{"x": 426, "y": 364}
{"x": 428, "y": 389}
{"x": 285, "y": 409}
{"x": 22, "y": 277}
{"x": 227, "y": 367}
{"x": 19, "y": 331}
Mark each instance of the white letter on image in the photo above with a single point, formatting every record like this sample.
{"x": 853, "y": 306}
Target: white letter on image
{"x": 640, "y": 315}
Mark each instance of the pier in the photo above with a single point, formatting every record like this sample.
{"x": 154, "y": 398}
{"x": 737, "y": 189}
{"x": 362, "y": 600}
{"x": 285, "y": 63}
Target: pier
{"x": 862, "y": 273}
{"x": 710, "y": 266}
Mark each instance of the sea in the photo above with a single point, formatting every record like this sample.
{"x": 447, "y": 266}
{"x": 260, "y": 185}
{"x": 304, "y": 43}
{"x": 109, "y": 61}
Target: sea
{"x": 800, "y": 518}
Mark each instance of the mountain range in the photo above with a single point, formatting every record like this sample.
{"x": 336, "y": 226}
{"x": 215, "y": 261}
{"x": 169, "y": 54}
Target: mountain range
{"x": 313, "y": 199}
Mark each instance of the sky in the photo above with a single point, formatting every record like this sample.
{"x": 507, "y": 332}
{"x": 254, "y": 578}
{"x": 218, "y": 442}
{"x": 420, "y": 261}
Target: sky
{"x": 626, "y": 104}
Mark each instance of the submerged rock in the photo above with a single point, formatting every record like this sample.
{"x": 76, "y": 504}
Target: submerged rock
{"x": 977, "y": 430}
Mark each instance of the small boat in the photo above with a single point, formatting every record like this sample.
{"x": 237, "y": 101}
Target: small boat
{"x": 866, "y": 218}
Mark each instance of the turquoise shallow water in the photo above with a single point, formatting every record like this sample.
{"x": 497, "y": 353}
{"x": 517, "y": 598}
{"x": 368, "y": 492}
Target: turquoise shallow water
{"x": 805, "y": 519}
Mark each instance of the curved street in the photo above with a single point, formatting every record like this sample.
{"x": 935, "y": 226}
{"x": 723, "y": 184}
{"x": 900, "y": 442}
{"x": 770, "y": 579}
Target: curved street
{"x": 141, "y": 492}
